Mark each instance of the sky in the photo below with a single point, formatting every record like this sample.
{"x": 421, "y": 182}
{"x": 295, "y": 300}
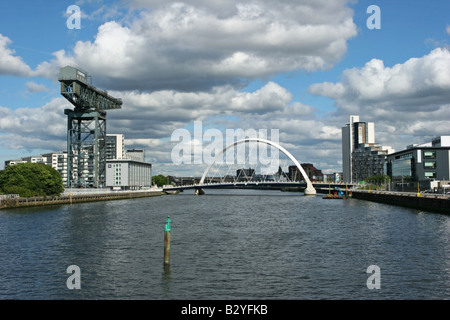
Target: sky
{"x": 301, "y": 67}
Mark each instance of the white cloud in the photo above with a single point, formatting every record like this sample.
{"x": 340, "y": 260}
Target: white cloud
{"x": 173, "y": 63}
{"x": 412, "y": 86}
{"x": 412, "y": 98}
{"x": 148, "y": 120}
{"x": 28, "y": 128}
{"x": 50, "y": 69}
{"x": 10, "y": 64}
{"x": 34, "y": 87}
{"x": 269, "y": 98}
{"x": 197, "y": 45}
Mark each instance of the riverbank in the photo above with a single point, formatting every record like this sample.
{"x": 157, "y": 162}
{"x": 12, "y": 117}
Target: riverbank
{"x": 428, "y": 202}
{"x": 70, "y": 198}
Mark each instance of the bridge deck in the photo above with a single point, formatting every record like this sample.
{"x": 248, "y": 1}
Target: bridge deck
{"x": 259, "y": 185}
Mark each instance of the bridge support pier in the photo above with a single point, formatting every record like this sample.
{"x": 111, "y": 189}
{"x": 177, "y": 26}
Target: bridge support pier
{"x": 199, "y": 192}
{"x": 310, "y": 191}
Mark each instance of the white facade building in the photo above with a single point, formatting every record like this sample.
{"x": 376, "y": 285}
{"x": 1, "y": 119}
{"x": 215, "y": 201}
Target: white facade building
{"x": 136, "y": 154}
{"x": 128, "y": 174}
{"x": 58, "y": 161}
{"x": 115, "y": 146}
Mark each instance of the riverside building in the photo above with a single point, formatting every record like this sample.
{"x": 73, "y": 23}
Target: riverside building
{"x": 126, "y": 174}
{"x": 56, "y": 160}
{"x": 124, "y": 170}
{"x": 421, "y": 163}
{"x": 115, "y": 146}
{"x": 361, "y": 156}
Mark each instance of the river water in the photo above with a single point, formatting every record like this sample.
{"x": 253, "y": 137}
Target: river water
{"x": 227, "y": 244}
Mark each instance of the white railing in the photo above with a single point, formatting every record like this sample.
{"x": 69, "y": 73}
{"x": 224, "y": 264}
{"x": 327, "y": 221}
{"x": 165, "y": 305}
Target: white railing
{"x": 81, "y": 191}
{"x": 8, "y": 196}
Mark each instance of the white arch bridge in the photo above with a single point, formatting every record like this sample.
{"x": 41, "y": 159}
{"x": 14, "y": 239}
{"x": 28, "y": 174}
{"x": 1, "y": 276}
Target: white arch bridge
{"x": 249, "y": 180}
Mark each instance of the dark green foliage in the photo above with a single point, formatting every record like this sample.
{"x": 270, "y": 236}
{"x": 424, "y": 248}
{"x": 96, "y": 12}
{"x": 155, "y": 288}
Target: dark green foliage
{"x": 378, "y": 180}
{"x": 160, "y": 180}
{"x": 31, "y": 180}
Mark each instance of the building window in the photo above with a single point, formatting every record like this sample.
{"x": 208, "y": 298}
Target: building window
{"x": 402, "y": 168}
{"x": 404, "y": 156}
{"x": 429, "y": 164}
{"x": 430, "y": 175}
{"x": 429, "y": 154}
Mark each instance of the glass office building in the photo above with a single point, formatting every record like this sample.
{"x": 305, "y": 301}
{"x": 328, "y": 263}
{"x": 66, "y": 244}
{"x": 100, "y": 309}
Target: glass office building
{"x": 423, "y": 162}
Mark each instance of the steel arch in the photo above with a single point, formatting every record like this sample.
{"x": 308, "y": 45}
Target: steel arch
{"x": 310, "y": 190}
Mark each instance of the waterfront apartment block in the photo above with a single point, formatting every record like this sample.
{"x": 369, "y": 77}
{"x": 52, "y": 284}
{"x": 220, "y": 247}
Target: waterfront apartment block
{"x": 125, "y": 170}
{"x": 126, "y": 174}
{"x": 361, "y": 156}
{"x": 420, "y": 163}
{"x": 135, "y": 154}
{"x": 13, "y": 162}
{"x": 353, "y": 134}
{"x": 57, "y": 160}
{"x": 115, "y": 146}
{"x": 369, "y": 160}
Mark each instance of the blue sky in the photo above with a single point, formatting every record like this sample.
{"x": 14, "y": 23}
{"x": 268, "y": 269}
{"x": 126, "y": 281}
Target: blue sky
{"x": 228, "y": 64}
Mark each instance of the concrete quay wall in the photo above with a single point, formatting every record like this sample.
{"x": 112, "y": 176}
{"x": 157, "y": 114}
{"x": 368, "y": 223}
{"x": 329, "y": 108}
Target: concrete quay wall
{"x": 77, "y": 198}
{"x": 426, "y": 202}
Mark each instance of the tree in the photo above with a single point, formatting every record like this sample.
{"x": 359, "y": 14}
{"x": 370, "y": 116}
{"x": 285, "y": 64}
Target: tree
{"x": 378, "y": 180}
{"x": 31, "y": 180}
{"x": 160, "y": 180}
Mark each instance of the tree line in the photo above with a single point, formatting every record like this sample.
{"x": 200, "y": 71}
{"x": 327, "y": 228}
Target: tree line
{"x": 31, "y": 180}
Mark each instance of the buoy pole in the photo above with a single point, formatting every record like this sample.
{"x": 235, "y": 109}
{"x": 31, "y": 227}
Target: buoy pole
{"x": 167, "y": 242}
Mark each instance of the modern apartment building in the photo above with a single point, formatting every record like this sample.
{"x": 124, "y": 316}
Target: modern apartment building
{"x": 56, "y": 160}
{"x": 369, "y": 160}
{"x": 115, "y": 146}
{"x": 127, "y": 171}
{"x": 361, "y": 156}
{"x": 135, "y": 154}
{"x": 353, "y": 134}
{"x": 13, "y": 162}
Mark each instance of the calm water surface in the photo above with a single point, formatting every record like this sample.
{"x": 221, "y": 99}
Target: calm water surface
{"x": 243, "y": 244}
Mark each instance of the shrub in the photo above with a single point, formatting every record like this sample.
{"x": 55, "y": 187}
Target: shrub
{"x": 31, "y": 179}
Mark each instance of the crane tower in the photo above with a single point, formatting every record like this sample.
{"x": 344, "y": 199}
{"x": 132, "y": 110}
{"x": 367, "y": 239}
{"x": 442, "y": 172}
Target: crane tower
{"x": 86, "y": 128}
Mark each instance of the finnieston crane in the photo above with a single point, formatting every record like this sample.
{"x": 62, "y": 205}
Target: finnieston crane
{"x": 86, "y": 128}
